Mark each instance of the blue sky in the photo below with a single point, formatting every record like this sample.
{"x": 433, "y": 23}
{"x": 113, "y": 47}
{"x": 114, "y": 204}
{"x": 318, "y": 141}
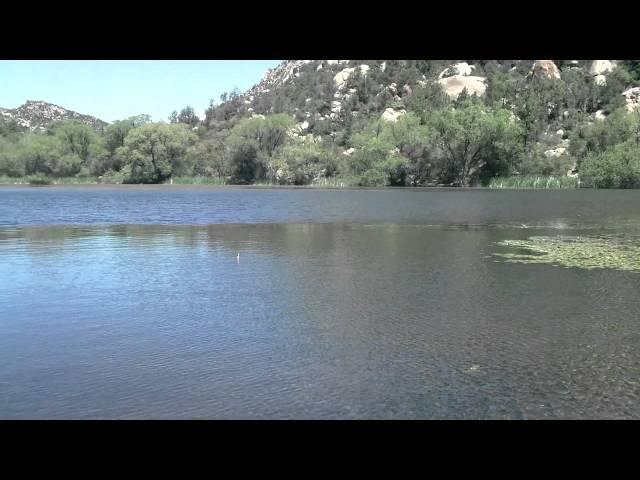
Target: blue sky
{"x": 112, "y": 90}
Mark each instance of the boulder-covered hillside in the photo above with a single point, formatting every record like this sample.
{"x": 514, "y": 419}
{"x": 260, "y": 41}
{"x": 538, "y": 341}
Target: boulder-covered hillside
{"x": 324, "y": 95}
{"x": 38, "y": 115}
{"x": 553, "y": 104}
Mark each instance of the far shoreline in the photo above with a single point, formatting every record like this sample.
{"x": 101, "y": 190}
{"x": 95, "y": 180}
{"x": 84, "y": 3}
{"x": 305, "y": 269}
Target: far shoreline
{"x": 227, "y": 187}
{"x": 191, "y": 186}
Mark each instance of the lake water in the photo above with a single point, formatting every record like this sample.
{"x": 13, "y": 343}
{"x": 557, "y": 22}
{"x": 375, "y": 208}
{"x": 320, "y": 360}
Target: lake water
{"x": 129, "y": 302}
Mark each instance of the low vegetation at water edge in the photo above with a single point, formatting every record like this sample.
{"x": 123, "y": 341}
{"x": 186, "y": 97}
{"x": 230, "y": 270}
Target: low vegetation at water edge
{"x": 534, "y": 182}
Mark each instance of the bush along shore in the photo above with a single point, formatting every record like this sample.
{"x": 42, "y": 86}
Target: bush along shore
{"x": 517, "y": 183}
{"x": 385, "y": 155}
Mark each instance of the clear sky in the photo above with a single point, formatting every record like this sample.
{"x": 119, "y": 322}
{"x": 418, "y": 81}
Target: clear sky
{"x": 113, "y": 90}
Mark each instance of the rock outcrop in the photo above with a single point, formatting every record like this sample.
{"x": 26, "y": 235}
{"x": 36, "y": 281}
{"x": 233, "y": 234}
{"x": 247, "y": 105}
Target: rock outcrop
{"x": 599, "y": 115}
{"x": 462, "y": 68}
{"x": 453, "y": 86}
{"x": 349, "y": 151}
{"x": 545, "y": 69}
{"x": 341, "y": 77}
{"x": 555, "y": 152}
{"x": 391, "y": 115}
{"x": 601, "y": 67}
{"x": 632, "y": 97}
{"x": 600, "y": 80}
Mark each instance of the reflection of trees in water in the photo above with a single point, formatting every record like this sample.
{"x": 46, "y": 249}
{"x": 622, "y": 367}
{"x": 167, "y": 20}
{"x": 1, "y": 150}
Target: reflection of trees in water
{"x": 345, "y": 242}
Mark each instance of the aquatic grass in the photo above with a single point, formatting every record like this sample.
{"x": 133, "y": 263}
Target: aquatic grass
{"x": 264, "y": 183}
{"x": 75, "y": 181}
{"x": 199, "y": 180}
{"x": 42, "y": 180}
{"x": 605, "y": 251}
{"x": 39, "y": 181}
{"x": 335, "y": 182}
{"x": 4, "y": 180}
{"x": 534, "y": 182}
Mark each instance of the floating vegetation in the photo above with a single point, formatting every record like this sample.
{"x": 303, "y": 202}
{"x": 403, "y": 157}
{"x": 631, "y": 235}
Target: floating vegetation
{"x": 606, "y": 251}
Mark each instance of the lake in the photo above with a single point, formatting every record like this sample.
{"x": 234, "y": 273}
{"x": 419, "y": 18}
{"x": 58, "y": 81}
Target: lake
{"x": 130, "y": 302}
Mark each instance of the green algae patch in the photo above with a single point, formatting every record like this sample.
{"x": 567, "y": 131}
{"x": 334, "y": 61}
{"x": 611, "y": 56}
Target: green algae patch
{"x": 606, "y": 251}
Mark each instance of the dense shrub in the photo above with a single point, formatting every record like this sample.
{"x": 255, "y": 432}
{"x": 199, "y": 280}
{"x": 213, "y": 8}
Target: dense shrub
{"x": 617, "y": 167}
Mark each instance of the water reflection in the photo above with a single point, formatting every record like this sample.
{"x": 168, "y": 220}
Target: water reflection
{"x": 127, "y": 205}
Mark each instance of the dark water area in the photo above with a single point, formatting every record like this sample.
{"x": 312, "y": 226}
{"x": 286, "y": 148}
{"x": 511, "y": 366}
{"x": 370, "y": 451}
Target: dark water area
{"x": 192, "y": 205}
{"x": 129, "y": 302}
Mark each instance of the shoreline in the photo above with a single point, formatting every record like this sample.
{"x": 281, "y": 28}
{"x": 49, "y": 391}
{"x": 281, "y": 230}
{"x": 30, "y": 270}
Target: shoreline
{"x": 276, "y": 187}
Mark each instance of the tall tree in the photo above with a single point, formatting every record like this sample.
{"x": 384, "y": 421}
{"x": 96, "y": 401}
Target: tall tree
{"x": 156, "y": 151}
{"x": 188, "y": 116}
{"x": 474, "y": 137}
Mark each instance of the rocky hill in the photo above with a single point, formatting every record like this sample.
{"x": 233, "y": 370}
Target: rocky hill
{"x": 324, "y": 95}
{"x": 556, "y": 110}
{"x": 37, "y": 115}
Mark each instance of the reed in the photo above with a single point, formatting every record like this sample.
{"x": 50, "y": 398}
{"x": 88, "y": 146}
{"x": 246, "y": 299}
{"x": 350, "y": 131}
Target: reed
{"x": 199, "y": 180}
{"x": 335, "y": 182}
{"x": 42, "y": 180}
{"x": 39, "y": 181}
{"x": 534, "y": 182}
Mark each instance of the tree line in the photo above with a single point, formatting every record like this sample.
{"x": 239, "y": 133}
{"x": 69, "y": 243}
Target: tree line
{"x": 466, "y": 141}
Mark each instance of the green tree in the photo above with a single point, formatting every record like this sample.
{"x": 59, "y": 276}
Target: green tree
{"x": 610, "y": 95}
{"x": 188, "y": 116}
{"x": 48, "y": 155}
{"x": 9, "y": 127}
{"x": 376, "y": 160}
{"x": 116, "y": 132}
{"x": 253, "y": 142}
{"x": 12, "y": 163}
{"x": 601, "y": 135}
{"x": 474, "y": 137}
{"x": 301, "y": 162}
{"x": 537, "y": 103}
{"x": 502, "y": 89}
{"x": 616, "y": 167}
{"x": 633, "y": 67}
{"x": 413, "y": 142}
{"x": 77, "y": 139}
{"x": 207, "y": 158}
{"x": 269, "y": 133}
{"x": 425, "y": 99}
{"x": 581, "y": 93}
{"x": 156, "y": 151}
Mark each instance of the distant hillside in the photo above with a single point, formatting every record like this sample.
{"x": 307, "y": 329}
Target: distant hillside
{"x": 325, "y": 96}
{"x": 37, "y": 115}
{"x": 444, "y": 121}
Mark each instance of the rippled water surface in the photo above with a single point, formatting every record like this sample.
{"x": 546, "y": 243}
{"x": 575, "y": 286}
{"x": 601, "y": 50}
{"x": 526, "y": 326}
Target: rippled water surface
{"x": 129, "y": 302}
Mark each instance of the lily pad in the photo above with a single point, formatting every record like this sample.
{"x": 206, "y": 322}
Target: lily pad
{"x": 605, "y": 251}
